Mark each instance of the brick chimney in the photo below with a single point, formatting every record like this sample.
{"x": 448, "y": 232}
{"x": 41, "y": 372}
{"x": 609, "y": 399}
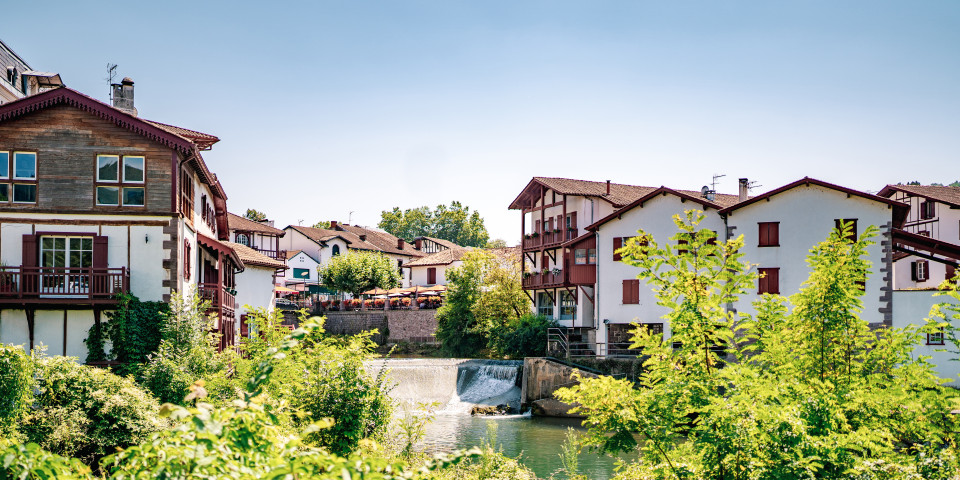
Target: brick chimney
{"x": 400, "y": 244}
{"x": 744, "y": 189}
{"x": 363, "y": 238}
{"x": 418, "y": 243}
{"x": 608, "y": 187}
{"x": 123, "y": 96}
{"x": 333, "y": 224}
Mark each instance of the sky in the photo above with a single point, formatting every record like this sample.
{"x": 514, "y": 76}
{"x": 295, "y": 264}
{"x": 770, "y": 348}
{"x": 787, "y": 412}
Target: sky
{"x": 338, "y": 110}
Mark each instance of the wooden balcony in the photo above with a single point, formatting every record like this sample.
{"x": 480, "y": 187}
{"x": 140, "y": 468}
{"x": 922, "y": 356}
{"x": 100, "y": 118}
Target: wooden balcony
{"x": 274, "y": 254}
{"x": 549, "y": 240}
{"x": 545, "y": 280}
{"x": 35, "y": 286}
{"x": 223, "y": 304}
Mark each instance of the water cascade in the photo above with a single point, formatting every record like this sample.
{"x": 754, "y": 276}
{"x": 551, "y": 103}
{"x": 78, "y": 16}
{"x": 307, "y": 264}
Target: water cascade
{"x": 456, "y": 385}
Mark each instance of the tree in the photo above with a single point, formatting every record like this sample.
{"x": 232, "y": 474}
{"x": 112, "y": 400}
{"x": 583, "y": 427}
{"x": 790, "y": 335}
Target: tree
{"x": 497, "y": 243}
{"x": 455, "y": 223}
{"x": 813, "y": 392}
{"x": 324, "y": 224}
{"x": 483, "y": 294}
{"x": 255, "y": 215}
{"x": 358, "y": 271}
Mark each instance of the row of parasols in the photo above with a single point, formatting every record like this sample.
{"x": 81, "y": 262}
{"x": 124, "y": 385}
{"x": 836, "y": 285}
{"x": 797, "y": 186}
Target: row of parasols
{"x": 416, "y": 291}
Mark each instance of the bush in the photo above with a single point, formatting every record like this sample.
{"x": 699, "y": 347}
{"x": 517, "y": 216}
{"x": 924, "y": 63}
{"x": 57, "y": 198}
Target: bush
{"x": 30, "y": 461}
{"x": 87, "y": 412}
{"x": 16, "y": 371}
{"x": 523, "y": 337}
{"x": 133, "y": 330}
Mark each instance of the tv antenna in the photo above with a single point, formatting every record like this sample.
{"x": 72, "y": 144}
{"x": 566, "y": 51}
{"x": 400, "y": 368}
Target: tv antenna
{"x": 713, "y": 183}
{"x": 350, "y": 218}
{"x": 111, "y": 72}
{"x": 753, "y": 184}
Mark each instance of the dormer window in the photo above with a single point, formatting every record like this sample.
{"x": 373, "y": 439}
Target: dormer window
{"x": 120, "y": 180}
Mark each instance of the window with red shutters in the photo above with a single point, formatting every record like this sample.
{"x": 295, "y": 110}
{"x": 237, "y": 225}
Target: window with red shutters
{"x": 617, "y": 243}
{"x": 928, "y": 209}
{"x": 682, "y": 246}
{"x": 950, "y": 273}
{"x": 920, "y": 271}
{"x": 186, "y": 259}
{"x": 769, "y": 281}
{"x": 769, "y": 234}
{"x": 431, "y": 275}
{"x": 631, "y": 292}
{"x": 852, "y": 234}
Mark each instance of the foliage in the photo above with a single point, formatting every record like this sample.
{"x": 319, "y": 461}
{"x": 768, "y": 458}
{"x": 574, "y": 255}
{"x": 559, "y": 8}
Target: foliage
{"x": 16, "y": 386}
{"x": 484, "y": 293}
{"x": 521, "y": 337}
{"x": 454, "y": 223}
{"x": 359, "y": 271}
{"x": 133, "y": 330}
{"x": 570, "y": 456}
{"x": 812, "y": 394}
{"x": 87, "y": 412}
{"x": 497, "y": 243}
{"x": 187, "y": 351}
{"x": 324, "y": 224}
{"x": 22, "y": 461}
{"x": 490, "y": 464}
{"x": 255, "y": 215}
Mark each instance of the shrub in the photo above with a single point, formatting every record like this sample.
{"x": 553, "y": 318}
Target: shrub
{"x": 30, "y": 461}
{"x": 87, "y": 412}
{"x": 523, "y": 337}
{"x": 133, "y": 330}
{"x": 16, "y": 371}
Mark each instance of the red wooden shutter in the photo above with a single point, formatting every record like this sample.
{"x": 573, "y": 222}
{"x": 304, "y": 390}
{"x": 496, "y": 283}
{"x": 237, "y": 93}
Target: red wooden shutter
{"x": 774, "y": 234}
{"x": 538, "y": 227}
{"x": 573, "y": 220}
{"x": 926, "y": 269}
{"x": 951, "y": 272}
{"x": 244, "y": 328}
{"x": 626, "y": 292}
{"x": 631, "y": 292}
{"x": 100, "y": 252}
{"x": 764, "y": 239}
{"x": 913, "y": 271}
{"x": 617, "y": 243}
{"x": 186, "y": 260}
{"x": 635, "y": 288}
{"x": 29, "y": 259}
{"x": 431, "y": 275}
{"x": 774, "y": 283}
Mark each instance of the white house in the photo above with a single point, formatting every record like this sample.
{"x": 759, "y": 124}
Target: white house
{"x": 18, "y": 80}
{"x": 255, "y": 285}
{"x": 301, "y": 269}
{"x": 432, "y": 269}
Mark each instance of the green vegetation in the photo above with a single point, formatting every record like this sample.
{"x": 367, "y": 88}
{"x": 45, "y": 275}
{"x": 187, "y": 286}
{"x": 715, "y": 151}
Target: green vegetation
{"x": 454, "y": 223}
{"x": 134, "y": 331}
{"x": 324, "y": 224}
{"x": 16, "y": 382}
{"x": 810, "y": 392}
{"x": 522, "y": 337}
{"x": 484, "y": 295}
{"x": 358, "y": 271}
{"x": 255, "y": 215}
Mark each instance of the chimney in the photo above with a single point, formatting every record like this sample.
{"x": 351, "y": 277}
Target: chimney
{"x": 268, "y": 223}
{"x": 418, "y": 243}
{"x": 363, "y": 237}
{"x": 333, "y": 224}
{"x": 400, "y": 244}
{"x": 608, "y": 187}
{"x": 123, "y": 96}
{"x": 744, "y": 189}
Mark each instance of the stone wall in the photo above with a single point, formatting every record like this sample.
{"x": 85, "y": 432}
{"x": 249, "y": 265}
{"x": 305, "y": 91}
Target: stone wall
{"x": 542, "y": 377}
{"x": 401, "y": 325}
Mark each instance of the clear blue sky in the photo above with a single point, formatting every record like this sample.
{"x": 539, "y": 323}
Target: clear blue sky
{"x": 329, "y": 107}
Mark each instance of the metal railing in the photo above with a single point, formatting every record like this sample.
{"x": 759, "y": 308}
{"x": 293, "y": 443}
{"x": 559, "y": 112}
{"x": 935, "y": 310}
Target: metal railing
{"x": 62, "y": 282}
{"x": 573, "y": 342}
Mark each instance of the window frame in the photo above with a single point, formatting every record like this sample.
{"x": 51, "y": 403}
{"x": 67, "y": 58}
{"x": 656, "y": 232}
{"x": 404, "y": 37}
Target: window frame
{"x": 11, "y": 181}
{"x": 932, "y": 338}
{"x": 763, "y": 281}
{"x": 763, "y": 232}
{"x": 121, "y": 184}
{"x": 580, "y": 256}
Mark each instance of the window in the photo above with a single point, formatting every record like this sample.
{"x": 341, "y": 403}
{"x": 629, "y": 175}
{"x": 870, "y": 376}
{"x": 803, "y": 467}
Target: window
{"x": 769, "y": 281}
{"x": 186, "y": 195}
{"x": 592, "y": 256}
{"x": 580, "y": 256}
{"x": 301, "y": 273}
{"x": 925, "y": 233}
{"x": 61, "y": 258}
{"x": 631, "y": 292}
{"x": 928, "y": 209}
{"x": 920, "y": 271}
{"x": 568, "y": 306}
{"x": 769, "y": 234}
{"x": 243, "y": 239}
{"x": 852, "y": 234}
{"x": 21, "y": 169}
{"x": 682, "y": 246}
{"x": 119, "y": 180}
{"x": 186, "y": 259}
{"x": 935, "y": 338}
{"x": 335, "y": 250}
{"x": 544, "y": 305}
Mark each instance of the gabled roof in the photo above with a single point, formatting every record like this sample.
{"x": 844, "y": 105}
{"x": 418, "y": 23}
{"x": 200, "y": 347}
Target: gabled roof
{"x": 942, "y": 194}
{"x": 250, "y": 256}
{"x": 244, "y": 224}
{"x": 293, "y": 253}
{"x": 439, "y": 241}
{"x": 443, "y": 257}
{"x": 717, "y": 203}
{"x": 620, "y": 194}
{"x": 203, "y": 140}
{"x": 382, "y": 241}
{"x": 899, "y": 209}
{"x": 322, "y": 235}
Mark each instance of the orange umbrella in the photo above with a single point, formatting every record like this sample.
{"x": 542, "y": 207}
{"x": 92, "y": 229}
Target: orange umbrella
{"x": 375, "y": 291}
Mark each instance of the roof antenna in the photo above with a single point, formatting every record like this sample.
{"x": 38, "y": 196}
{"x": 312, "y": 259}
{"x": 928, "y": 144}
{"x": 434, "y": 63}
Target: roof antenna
{"x": 111, "y": 72}
{"x": 713, "y": 184}
{"x": 753, "y": 184}
{"x": 350, "y": 218}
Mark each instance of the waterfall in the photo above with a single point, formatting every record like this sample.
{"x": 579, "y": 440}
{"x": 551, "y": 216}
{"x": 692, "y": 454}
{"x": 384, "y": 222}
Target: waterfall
{"x": 456, "y": 385}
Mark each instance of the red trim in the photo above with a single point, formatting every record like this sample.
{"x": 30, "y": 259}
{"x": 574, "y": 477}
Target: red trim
{"x": 68, "y": 234}
{"x": 932, "y": 245}
{"x": 900, "y": 209}
{"x": 219, "y": 247}
{"x": 640, "y": 201}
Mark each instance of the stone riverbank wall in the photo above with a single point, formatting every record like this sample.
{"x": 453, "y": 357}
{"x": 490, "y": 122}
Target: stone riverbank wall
{"x": 393, "y": 325}
{"x": 543, "y": 376}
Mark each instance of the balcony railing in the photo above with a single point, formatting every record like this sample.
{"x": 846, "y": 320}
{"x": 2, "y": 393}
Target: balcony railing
{"x": 61, "y": 284}
{"x": 221, "y": 301}
{"x": 274, "y": 254}
{"x": 541, "y": 280}
{"x": 553, "y": 238}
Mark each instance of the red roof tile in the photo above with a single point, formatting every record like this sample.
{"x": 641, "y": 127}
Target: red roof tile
{"x": 943, "y": 194}
{"x": 244, "y": 224}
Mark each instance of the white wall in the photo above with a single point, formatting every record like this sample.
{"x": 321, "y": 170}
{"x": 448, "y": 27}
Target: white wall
{"x": 913, "y": 307}
{"x": 301, "y": 260}
{"x": 255, "y": 288}
{"x": 419, "y": 274}
{"x": 656, "y": 218}
{"x": 806, "y": 215}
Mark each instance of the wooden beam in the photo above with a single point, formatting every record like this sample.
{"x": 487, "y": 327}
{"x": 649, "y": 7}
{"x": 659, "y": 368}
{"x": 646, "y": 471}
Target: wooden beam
{"x": 584, "y": 290}
{"x": 925, "y": 255}
{"x": 31, "y": 317}
{"x": 64, "y": 333}
{"x": 527, "y": 292}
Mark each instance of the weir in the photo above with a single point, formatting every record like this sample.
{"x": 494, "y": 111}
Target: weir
{"x": 457, "y": 385}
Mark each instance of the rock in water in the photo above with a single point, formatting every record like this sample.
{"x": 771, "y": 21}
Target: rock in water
{"x": 502, "y": 409}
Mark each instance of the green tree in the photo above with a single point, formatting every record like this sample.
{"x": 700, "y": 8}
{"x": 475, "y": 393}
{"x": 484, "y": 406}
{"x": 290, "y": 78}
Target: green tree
{"x": 813, "y": 393}
{"x": 455, "y": 223}
{"x": 358, "y": 271}
{"x": 496, "y": 243}
{"x": 324, "y": 224}
{"x": 255, "y": 215}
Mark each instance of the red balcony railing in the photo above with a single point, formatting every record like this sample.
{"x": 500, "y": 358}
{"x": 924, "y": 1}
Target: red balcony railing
{"x": 274, "y": 254}
{"x": 223, "y": 304}
{"x": 60, "y": 283}
{"x": 553, "y": 238}
{"x": 543, "y": 280}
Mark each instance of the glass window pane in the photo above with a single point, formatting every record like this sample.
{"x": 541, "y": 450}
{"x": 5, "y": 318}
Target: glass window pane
{"x": 4, "y": 164}
{"x": 108, "y": 196}
{"x": 133, "y": 169}
{"x": 592, "y": 256}
{"x": 4, "y": 192}
{"x": 133, "y": 196}
{"x": 25, "y": 193}
{"x": 25, "y": 165}
{"x": 59, "y": 258}
{"x": 60, "y": 243}
{"x": 75, "y": 243}
{"x": 87, "y": 243}
{"x": 46, "y": 243}
{"x": 86, "y": 259}
{"x": 75, "y": 258}
{"x": 580, "y": 256}
{"x": 108, "y": 168}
